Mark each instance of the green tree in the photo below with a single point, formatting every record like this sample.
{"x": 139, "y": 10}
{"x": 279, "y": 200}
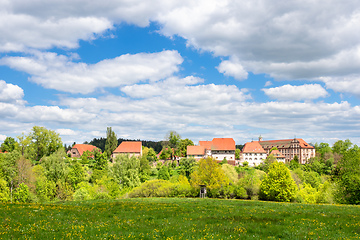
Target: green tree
{"x": 237, "y": 153}
{"x": 4, "y": 191}
{"x": 22, "y": 193}
{"x": 125, "y": 171}
{"x": 210, "y": 174}
{"x": 183, "y": 146}
{"x": 186, "y": 166}
{"x": 348, "y": 177}
{"x": 145, "y": 169}
{"x": 173, "y": 140}
{"x": 55, "y": 168}
{"x": 278, "y": 184}
{"x": 341, "y": 147}
{"x": 9, "y": 145}
{"x": 230, "y": 172}
{"x": 43, "y": 143}
{"x": 111, "y": 141}
{"x": 24, "y": 142}
{"x": 75, "y": 175}
{"x": 164, "y": 173}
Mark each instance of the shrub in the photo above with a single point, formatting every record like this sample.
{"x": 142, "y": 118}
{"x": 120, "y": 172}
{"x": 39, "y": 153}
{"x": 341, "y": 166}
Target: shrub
{"x": 4, "y": 191}
{"x": 278, "y": 184}
{"x": 22, "y": 193}
{"x": 153, "y": 188}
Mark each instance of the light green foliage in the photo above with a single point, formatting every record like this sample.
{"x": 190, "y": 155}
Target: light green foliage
{"x": 267, "y": 162}
{"x": 294, "y": 164}
{"x": 272, "y": 149}
{"x": 164, "y": 173}
{"x": 307, "y": 194}
{"x": 4, "y": 191}
{"x": 145, "y": 169}
{"x": 55, "y": 168}
{"x": 186, "y": 166}
{"x": 224, "y": 161}
{"x": 278, "y": 184}
{"x": 9, "y": 145}
{"x": 24, "y": 142}
{"x": 81, "y": 194}
{"x": 312, "y": 178}
{"x": 153, "y": 188}
{"x": 151, "y": 155}
{"x": 341, "y": 147}
{"x": 240, "y": 192}
{"x": 230, "y": 172}
{"x": 111, "y": 141}
{"x": 125, "y": 171}
{"x": 76, "y": 174}
{"x": 250, "y": 180}
{"x": 22, "y": 194}
{"x": 64, "y": 191}
{"x": 183, "y": 146}
{"x": 326, "y": 193}
{"x": 8, "y": 167}
{"x": 45, "y": 189}
{"x": 211, "y": 174}
{"x": 166, "y": 153}
{"x": 86, "y": 156}
{"x": 106, "y": 188}
{"x": 100, "y": 159}
{"x": 173, "y": 140}
{"x": 237, "y": 153}
{"x": 348, "y": 177}
{"x": 43, "y": 143}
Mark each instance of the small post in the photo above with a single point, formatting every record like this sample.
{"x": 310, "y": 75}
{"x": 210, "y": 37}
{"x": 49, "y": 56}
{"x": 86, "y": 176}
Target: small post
{"x": 202, "y": 191}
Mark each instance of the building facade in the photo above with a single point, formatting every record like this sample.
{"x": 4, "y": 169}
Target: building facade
{"x": 253, "y": 154}
{"x": 128, "y": 148}
{"x": 290, "y": 148}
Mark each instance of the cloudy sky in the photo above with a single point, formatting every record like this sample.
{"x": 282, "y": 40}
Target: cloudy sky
{"x": 206, "y": 68}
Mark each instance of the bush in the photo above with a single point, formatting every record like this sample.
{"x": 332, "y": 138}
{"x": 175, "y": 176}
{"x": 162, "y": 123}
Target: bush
{"x": 4, "y": 191}
{"x": 22, "y": 193}
{"x": 81, "y": 194}
{"x": 153, "y": 188}
{"x": 278, "y": 184}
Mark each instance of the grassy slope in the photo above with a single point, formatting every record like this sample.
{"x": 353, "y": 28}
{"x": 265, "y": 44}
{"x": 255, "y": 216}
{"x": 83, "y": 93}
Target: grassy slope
{"x": 175, "y": 218}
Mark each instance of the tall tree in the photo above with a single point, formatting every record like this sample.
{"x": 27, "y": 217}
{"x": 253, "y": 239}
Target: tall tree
{"x": 43, "y": 143}
{"x": 9, "y": 145}
{"x": 348, "y": 176}
{"x": 183, "y": 146}
{"x": 278, "y": 185}
{"x": 173, "y": 140}
{"x": 111, "y": 141}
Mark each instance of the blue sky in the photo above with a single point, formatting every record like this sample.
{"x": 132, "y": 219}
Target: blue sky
{"x": 205, "y": 69}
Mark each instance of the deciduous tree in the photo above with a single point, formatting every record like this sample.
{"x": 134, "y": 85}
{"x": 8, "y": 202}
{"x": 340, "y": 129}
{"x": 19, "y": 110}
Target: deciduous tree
{"x": 278, "y": 184}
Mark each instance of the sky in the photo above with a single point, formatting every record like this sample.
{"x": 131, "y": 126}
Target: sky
{"x": 205, "y": 69}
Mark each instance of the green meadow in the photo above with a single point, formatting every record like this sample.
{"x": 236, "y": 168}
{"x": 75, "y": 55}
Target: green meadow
{"x": 178, "y": 218}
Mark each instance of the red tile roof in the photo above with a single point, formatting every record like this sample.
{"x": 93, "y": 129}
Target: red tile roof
{"x": 205, "y": 144}
{"x": 285, "y": 143}
{"x": 83, "y": 148}
{"x": 223, "y": 144}
{"x": 195, "y": 150}
{"x": 253, "y": 147}
{"x": 129, "y": 147}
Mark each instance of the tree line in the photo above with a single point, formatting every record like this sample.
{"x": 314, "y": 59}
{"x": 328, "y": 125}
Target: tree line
{"x": 36, "y": 168}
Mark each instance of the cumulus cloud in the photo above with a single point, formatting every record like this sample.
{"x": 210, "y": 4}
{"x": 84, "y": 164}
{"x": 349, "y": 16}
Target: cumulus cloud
{"x": 233, "y": 68}
{"x": 296, "y": 93}
{"x": 10, "y": 92}
{"x": 61, "y": 73}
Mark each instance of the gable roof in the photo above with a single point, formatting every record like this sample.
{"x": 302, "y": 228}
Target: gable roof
{"x": 223, "y": 144}
{"x": 83, "y": 148}
{"x": 195, "y": 150}
{"x": 205, "y": 144}
{"x": 253, "y": 147}
{"x": 129, "y": 147}
{"x": 277, "y": 154}
{"x": 284, "y": 143}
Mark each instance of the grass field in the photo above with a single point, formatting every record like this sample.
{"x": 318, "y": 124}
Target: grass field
{"x": 176, "y": 218}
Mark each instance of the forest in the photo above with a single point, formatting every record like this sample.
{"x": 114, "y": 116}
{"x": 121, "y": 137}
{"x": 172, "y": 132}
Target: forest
{"x": 36, "y": 168}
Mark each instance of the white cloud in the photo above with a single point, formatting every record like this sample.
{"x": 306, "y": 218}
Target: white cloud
{"x": 2, "y": 138}
{"x": 346, "y": 84}
{"x": 61, "y": 73}
{"x": 66, "y": 132}
{"x": 10, "y": 92}
{"x": 268, "y": 83}
{"x": 296, "y": 93}
{"x": 233, "y": 68}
